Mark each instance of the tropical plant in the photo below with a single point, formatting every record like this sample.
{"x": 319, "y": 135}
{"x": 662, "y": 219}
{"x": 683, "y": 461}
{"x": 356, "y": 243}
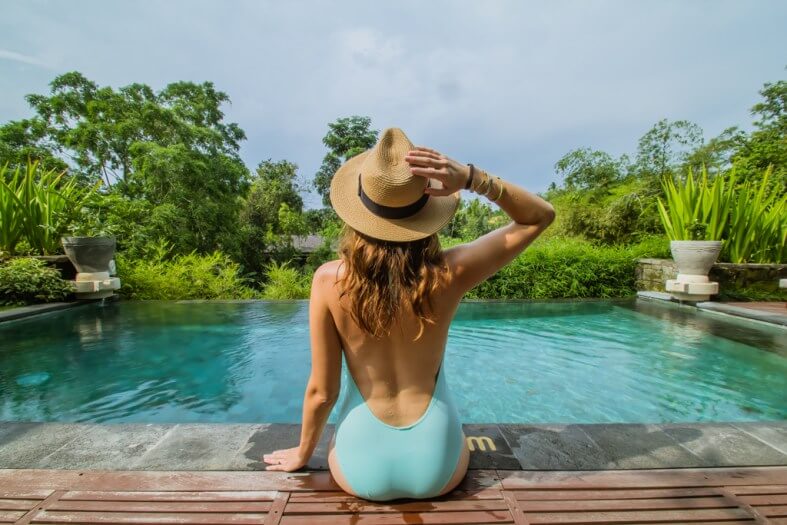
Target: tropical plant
{"x": 750, "y": 217}
{"x": 285, "y": 282}
{"x": 758, "y": 223}
{"x": 696, "y": 201}
{"x": 190, "y": 276}
{"x": 37, "y": 207}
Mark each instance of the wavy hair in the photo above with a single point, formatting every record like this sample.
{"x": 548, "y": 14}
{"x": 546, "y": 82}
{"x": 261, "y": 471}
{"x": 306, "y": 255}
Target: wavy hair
{"x": 383, "y": 276}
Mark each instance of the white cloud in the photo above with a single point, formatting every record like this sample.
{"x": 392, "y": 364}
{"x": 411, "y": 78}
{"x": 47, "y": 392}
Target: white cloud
{"x": 509, "y": 85}
{"x": 5, "y": 54}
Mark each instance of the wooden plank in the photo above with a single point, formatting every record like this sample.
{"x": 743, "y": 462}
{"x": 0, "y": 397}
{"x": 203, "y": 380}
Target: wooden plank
{"x": 163, "y": 506}
{"x": 759, "y": 489}
{"x": 17, "y": 504}
{"x": 153, "y": 495}
{"x": 643, "y": 478}
{"x": 277, "y": 511}
{"x": 29, "y": 479}
{"x": 185, "y": 480}
{"x": 676, "y": 516}
{"x": 147, "y": 517}
{"x": 719, "y": 502}
{"x": 759, "y": 518}
{"x": 38, "y": 494}
{"x": 426, "y": 518}
{"x": 32, "y": 513}
{"x": 764, "y": 499}
{"x": 10, "y": 516}
{"x": 338, "y": 496}
{"x": 360, "y": 505}
{"x": 514, "y": 508}
{"x": 773, "y": 511}
{"x": 578, "y": 494}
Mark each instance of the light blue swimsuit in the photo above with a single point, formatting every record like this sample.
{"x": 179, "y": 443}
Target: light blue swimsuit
{"x": 383, "y": 462}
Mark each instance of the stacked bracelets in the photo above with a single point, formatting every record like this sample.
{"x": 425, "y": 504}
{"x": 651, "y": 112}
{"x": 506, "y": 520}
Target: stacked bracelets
{"x": 484, "y": 185}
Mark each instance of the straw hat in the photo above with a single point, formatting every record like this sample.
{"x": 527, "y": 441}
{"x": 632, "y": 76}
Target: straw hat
{"x": 375, "y": 193}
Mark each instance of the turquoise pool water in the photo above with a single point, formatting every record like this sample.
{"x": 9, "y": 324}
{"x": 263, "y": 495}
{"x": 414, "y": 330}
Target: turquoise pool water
{"x": 513, "y": 362}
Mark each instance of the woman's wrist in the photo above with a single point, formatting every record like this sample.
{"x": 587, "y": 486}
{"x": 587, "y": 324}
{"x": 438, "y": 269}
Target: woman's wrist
{"x": 485, "y": 184}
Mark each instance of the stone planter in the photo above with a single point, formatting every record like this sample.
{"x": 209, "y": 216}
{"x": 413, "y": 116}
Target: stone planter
{"x": 694, "y": 260}
{"x": 91, "y": 256}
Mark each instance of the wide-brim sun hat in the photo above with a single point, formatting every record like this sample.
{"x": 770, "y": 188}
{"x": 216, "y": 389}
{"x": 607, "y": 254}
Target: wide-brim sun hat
{"x": 375, "y": 193}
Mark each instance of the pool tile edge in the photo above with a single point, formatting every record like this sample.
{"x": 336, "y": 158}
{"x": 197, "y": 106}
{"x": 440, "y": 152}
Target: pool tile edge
{"x": 239, "y": 447}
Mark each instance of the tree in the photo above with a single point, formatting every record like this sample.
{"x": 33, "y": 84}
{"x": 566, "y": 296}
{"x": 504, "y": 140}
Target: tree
{"x": 665, "y": 147}
{"x": 717, "y": 154}
{"x": 346, "y": 138}
{"x": 767, "y": 144}
{"x": 588, "y": 169}
{"x": 272, "y": 213}
{"x": 171, "y": 149}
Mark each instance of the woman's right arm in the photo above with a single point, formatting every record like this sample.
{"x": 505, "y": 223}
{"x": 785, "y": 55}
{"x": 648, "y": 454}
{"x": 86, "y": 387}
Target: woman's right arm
{"x": 476, "y": 261}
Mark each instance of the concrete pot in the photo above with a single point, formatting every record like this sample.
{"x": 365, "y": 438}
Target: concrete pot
{"x": 93, "y": 259}
{"x": 694, "y": 260}
{"x": 90, "y": 254}
{"x": 694, "y": 257}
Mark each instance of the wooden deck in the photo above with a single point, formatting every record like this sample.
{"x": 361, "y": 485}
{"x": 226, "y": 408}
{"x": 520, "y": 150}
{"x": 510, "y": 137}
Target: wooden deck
{"x": 724, "y": 495}
{"x": 771, "y": 307}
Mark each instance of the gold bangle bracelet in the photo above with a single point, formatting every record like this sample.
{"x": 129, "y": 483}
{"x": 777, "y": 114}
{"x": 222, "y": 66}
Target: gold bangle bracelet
{"x": 483, "y": 177}
{"x": 501, "y": 190}
{"x": 491, "y": 188}
{"x": 487, "y": 182}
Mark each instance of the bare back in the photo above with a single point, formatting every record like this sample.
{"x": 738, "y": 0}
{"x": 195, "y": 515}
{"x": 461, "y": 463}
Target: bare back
{"x": 395, "y": 375}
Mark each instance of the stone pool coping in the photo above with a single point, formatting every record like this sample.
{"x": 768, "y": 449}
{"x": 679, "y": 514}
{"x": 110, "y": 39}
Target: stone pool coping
{"x": 219, "y": 446}
{"x": 717, "y": 308}
{"x": 37, "y": 309}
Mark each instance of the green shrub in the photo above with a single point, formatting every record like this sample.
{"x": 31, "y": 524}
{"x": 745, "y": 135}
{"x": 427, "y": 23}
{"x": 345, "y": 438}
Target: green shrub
{"x": 616, "y": 214}
{"x": 755, "y": 292}
{"x": 26, "y": 281}
{"x": 285, "y": 282}
{"x": 750, "y": 218}
{"x": 656, "y": 246}
{"x": 191, "y": 276}
{"x": 563, "y": 268}
{"x": 37, "y": 207}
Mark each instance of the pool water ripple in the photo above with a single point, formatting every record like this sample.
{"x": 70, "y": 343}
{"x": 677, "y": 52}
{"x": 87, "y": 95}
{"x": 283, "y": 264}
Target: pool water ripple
{"x": 513, "y": 362}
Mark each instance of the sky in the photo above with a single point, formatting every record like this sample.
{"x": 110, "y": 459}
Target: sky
{"x": 510, "y": 86}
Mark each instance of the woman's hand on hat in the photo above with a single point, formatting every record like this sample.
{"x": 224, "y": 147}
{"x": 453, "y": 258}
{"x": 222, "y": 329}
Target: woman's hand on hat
{"x": 427, "y": 162}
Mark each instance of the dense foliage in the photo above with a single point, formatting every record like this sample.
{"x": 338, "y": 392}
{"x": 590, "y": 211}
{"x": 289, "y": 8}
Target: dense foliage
{"x": 161, "y": 171}
{"x": 24, "y": 280}
{"x": 749, "y": 218}
{"x": 191, "y": 276}
{"x": 36, "y": 207}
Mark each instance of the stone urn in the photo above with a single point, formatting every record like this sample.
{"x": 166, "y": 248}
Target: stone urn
{"x": 92, "y": 258}
{"x": 694, "y": 260}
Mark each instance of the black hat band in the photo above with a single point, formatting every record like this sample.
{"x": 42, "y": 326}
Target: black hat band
{"x": 392, "y": 212}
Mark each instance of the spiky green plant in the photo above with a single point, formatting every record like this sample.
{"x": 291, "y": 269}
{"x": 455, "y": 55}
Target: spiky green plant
{"x": 285, "y": 282}
{"x": 750, "y": 217}
{"x": 37, "y": 206}
{"x": 696, "y": 201}
{"x": 758, "y": 224}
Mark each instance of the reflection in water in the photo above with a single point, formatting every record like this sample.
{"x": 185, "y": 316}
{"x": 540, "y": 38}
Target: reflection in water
{"x": 561, "y": 362}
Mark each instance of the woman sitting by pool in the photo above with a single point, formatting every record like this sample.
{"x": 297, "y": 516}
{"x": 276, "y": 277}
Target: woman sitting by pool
{"x": 382, "y": 312}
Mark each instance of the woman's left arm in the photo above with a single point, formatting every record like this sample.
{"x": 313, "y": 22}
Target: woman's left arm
{"x": 322, "y": 389}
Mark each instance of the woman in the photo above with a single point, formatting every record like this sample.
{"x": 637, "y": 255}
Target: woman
{"x": 382, "y": 311}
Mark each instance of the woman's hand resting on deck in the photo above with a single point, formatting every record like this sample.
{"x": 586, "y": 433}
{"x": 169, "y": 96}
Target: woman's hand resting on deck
{"x": 286, "y": 459}
{"x": 430, "y": 163}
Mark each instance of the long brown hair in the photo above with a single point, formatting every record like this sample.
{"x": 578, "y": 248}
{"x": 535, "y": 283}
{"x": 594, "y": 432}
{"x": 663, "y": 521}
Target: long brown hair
{"x": 382, "y": 276}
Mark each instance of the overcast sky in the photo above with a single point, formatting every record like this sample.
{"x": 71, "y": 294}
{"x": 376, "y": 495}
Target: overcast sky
{"x": 508, "y": 85}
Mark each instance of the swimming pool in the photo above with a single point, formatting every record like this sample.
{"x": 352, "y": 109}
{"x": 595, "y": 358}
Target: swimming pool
{"x": 507, "y": 362}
